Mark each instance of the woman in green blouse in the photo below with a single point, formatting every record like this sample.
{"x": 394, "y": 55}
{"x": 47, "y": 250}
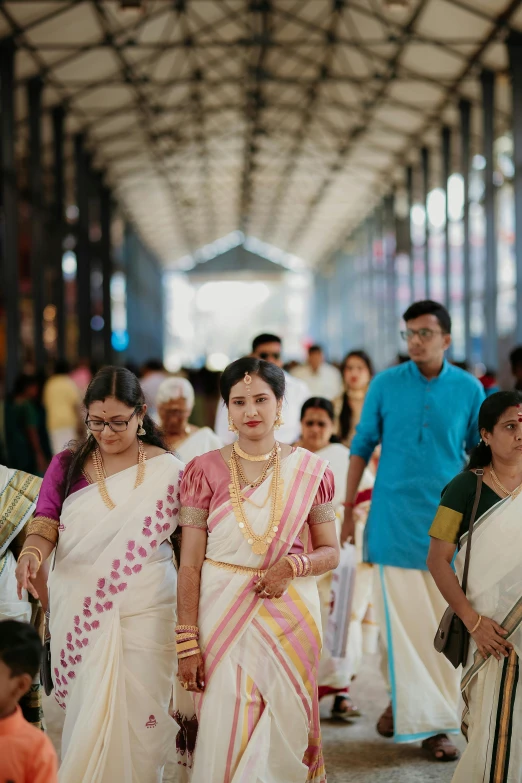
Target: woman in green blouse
{"x": 492, "y": 608}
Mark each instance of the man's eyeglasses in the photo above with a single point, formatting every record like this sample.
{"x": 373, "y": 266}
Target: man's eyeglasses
{"x": 424, "y": 335}
{"x": 98, "y": 425}
{"x": 267, "y": 356}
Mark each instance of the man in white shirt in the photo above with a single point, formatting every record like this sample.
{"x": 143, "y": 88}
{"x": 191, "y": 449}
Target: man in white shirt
{"x": 323, "y": 379}
{"x": 269, "y": 348}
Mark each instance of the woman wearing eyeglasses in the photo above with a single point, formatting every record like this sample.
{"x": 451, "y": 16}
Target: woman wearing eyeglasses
{"x": 174, "y": 403}
{"x": 109, "y": 507}
{"x": 335, "y": 674}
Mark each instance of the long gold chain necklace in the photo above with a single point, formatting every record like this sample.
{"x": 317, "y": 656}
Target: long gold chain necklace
{"x": 516, "y": 492}
{"x": 101, "y": 475}
{"x": 253, "y": 457}
{"x": 258, "y": 543}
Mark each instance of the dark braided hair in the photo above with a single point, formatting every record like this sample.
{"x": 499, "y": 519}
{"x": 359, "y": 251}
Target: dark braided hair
{"x": 122, "y": 384}
{"x": 345, "y": 417}
{"x": 490, "y": 412}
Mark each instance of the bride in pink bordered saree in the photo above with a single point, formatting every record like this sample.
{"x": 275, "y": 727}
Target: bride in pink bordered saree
{"x": 249, "y": 639}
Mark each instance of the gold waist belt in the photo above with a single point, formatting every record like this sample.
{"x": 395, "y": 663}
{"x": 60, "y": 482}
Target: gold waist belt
{"x": 238, "y": 569}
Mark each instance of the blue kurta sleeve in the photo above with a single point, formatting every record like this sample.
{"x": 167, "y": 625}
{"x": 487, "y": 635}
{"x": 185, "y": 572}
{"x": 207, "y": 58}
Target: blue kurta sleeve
{"x": 472, "y": 435}
{"x": 369, "y": 430}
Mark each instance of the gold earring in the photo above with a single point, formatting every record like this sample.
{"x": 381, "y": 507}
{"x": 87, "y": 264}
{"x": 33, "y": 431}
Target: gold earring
{"x": 279, "y": 420}
{"x": 141, "y": 431}
{"x": 231, "y": 426}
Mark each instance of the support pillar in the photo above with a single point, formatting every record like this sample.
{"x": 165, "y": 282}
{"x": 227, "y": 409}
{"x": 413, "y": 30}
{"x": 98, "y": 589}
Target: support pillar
{"x": 465, "y": 136}
{"x": 38, "y": 233}
{"x": 514, "y": 44}
{"x": 409, "y": 192}
{"x": 425, "y": 164}
{"x": 391, "y": 276}
{"x": 490, "y": 298}
{"x": 446, "y": 170}
{"x": 83, "y": 275}
{"x": 106, "y": 260}
{"x": 10, "y": 276}
{"x": 58, "y": 120}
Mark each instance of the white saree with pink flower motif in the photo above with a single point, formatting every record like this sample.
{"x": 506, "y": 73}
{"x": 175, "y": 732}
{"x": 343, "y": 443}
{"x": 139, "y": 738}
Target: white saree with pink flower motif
{"x": 113, "y": 617}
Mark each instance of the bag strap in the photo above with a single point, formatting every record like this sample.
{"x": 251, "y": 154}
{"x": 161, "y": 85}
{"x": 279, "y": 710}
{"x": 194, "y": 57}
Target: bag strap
{"x": 480, "y": 478}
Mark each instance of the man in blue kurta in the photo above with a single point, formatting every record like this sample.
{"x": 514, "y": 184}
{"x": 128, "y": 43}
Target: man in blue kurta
{"x": 424, "y": 413}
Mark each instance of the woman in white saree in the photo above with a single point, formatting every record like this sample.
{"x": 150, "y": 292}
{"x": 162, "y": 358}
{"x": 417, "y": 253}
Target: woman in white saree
{"x": 110, "y": 507}
{"x": 353, "y": 603}
{"x": 258, "y": 525}
{"x": 492, "y": 606}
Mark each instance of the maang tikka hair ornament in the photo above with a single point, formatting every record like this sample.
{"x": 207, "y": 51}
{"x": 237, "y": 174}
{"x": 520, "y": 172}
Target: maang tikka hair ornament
{"x": 248, "y": 381}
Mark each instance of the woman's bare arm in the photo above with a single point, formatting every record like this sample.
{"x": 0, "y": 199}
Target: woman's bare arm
{"x": 488, "y": 634}
{"x": 325, "y": 555}
{"x": 27, "y": 567}
{"x": 193, "y": 548}
{"x": 191, "y": 670}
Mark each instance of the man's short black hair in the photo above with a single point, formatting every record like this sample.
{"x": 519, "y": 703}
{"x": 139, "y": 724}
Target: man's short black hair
{"x": 262, "y": 339}
{"x": 429, "y": 307}
{"x": 20, "y": 648}
{"x": 515, "y": 357}
{"x": 315, "y": 349}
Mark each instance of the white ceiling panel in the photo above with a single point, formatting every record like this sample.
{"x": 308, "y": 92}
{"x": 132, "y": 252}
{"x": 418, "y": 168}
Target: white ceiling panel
{"x": 285, "y": 119}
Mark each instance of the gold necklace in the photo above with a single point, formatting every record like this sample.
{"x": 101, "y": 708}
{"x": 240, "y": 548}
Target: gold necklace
{"x": 101, "y": 475}
{"x": 357, "y": 394}
{"x": 258, "y": 543}
{"x": 261, "y": 478}
{"x": 516, "y": 492}
{"x": 253, "y": 457}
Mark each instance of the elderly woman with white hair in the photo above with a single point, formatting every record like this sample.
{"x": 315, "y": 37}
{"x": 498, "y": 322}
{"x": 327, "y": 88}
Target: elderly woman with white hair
{"x": 174, "y": 402}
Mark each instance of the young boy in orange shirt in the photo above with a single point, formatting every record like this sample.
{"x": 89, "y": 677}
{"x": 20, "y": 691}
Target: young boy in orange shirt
{"x": 26, "y": 754}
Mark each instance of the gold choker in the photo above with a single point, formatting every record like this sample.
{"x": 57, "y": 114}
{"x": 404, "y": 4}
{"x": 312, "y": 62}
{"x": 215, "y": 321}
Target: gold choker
{"x": 255, "y": 457}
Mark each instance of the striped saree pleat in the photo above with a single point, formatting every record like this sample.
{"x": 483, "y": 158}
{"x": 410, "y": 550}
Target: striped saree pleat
{"x": 504, "y": 722}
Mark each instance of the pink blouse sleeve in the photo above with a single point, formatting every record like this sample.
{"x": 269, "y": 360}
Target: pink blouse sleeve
{"x": 196, "y": 494}
{"x": 322, "y": 509}
{"x": 52, "y": 492}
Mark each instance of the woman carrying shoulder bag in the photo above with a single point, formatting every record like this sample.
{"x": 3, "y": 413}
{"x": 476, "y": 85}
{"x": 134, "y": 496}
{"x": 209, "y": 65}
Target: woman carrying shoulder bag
{"x": 491, "y": 608}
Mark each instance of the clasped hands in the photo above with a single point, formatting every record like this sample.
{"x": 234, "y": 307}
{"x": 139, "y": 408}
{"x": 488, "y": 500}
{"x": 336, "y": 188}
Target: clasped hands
{"x": 274, "y": 583}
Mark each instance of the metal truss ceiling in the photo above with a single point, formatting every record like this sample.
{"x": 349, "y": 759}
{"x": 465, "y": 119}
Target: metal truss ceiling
{"x": 286, "y": 119}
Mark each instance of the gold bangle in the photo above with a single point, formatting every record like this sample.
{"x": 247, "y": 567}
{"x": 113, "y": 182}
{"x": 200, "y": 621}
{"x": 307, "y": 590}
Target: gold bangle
{"x": 25, "y": 552}
{"x": 35, "y": 549}
{"x": 189, "y": 645}
{"x": 477, "y": 624}
{"x": 185, "y": 637}
{"x": 187, "y": 629}
{"x": 293, "y": 566}
{"x": 189, "y": 653}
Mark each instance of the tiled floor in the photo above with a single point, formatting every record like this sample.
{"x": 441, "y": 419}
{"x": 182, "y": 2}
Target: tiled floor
{"x": 354, "y": 753}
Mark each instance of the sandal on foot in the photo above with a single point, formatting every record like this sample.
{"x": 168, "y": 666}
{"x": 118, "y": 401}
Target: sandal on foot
{"x": 385, "y": 725}
{"x": 344, "y": 708}
{"x": 441, "y": 748}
